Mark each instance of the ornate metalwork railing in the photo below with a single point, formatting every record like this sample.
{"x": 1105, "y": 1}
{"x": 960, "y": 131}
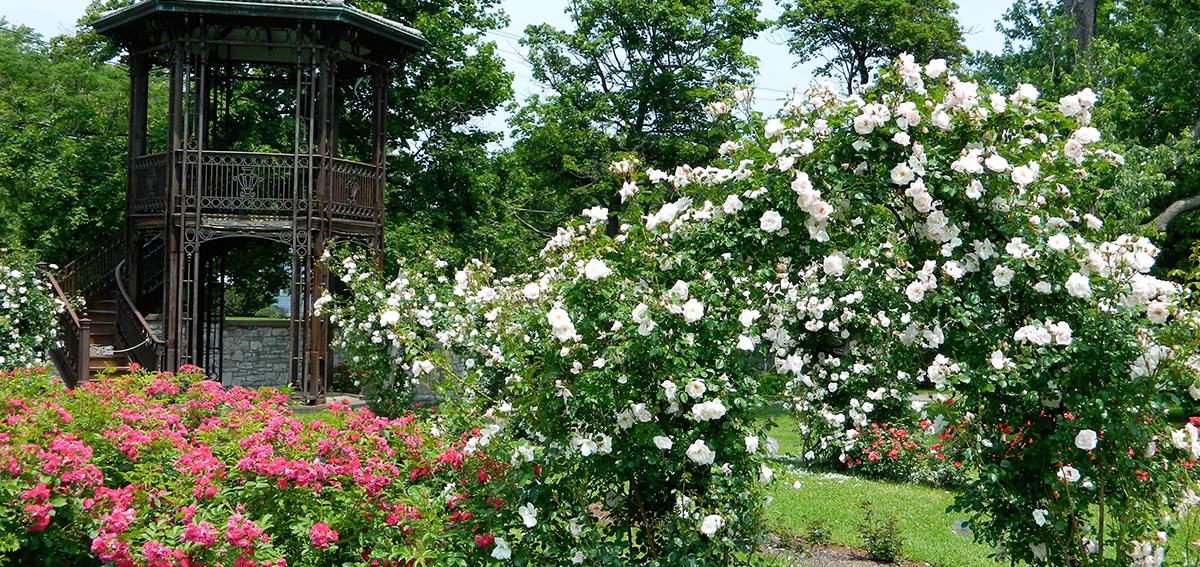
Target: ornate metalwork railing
{"x": 150, "y": 177}
{"x": 355, "y": 190}
{"x": 135, "y": 337}
{"x": 244, "y": 182}
{"x": 254, "y": 183}
{"x": 73, "y": 357}
{"x": 91, "y": 272}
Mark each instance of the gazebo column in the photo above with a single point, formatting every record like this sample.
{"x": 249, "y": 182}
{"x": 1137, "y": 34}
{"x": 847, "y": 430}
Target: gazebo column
{"x": 139, "y": 75}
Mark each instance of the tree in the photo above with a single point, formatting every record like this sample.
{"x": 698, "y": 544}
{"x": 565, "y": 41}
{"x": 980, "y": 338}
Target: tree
{"x": 443, "y": 185}
{"x": 62, "y": 145}
{"x": 633, "y": 76}
{"x": 856, "y": 36}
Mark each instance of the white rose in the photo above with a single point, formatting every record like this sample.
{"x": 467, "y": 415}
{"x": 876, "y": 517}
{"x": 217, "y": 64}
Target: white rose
{"x": 1059, "y": 242}
{"x": 1002, "y": 276}
{"x": 501, "y": 551}
{"x": 997, "y": 163}
{"x": 751, "y": 444}
{"x": 596, "y": 214}
{"x": 680, "y": 290}
{"x": 1069, "y": 474}
{"x": 941, "y": 119}
{"x": 711, "y": 524}
{"x": 708, "y": 411}
{"x": 693, "y": 310}
{"x": 389, "y": 318}
{"x": 1023, "y": 175}
{"x": 1086, "y": 440}
{"x": 773, "y": 128}
{"x": 936, "y": 68}
{"x": 1079, "y": 285}
{"x": 596, "y": 269}
{"x": 639, "y": 312}
{"x": 531, "y": 290}
{"x": 663, "y": 443}
{"x": 902, "y": 174}
{"x": 834, "y": 265}
{"x": 528, "y": 514}
{"x": 732, "y": 204}
{"x": 999, "y": 361}
{"x": 770, "y": 221}
{"x": 1157, "y": 312}
{"x": 915, "y": 291}
{"x": 748, "y": 317}
{"x": 1039, "y": 516}
{"x": 695, "y": 389}
{"x": 700, "y": 454}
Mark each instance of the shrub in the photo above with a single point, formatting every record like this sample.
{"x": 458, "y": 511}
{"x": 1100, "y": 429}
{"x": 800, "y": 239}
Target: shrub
{"x": 28, "y": 329}
{"x": 922, "y": 231}
{"x": 879, "y": 536}
{"x": 155, "y": 469}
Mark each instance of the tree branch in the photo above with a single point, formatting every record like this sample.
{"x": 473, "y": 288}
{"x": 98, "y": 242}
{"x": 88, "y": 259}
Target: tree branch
{"x": 1177, "y": 208}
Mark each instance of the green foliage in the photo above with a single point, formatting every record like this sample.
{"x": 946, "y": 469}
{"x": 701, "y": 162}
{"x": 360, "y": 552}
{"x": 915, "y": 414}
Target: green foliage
{"x": 443, "y": 184}
{"x": 864, "y": 34}
{"x": 62, "y": 145}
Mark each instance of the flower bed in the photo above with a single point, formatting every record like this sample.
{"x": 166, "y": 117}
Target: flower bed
{"x": 162, "y": 469}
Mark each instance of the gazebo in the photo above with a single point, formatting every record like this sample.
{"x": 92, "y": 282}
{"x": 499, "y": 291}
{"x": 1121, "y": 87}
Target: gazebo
{"x": 316, "y": 72}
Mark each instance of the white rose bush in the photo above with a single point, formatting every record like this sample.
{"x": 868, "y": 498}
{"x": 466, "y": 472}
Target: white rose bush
{"x": 925, "y": 232}
{"x": 28, "y": 329}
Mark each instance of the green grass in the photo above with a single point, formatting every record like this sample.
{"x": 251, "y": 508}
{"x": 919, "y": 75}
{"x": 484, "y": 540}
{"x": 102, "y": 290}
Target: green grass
{"x": 837, "y": 500}
{"x": 923, "y": 521}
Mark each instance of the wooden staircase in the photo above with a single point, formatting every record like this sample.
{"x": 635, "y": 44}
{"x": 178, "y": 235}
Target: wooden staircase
{"x": 105, "y": 348}
{"x": 105, "y": 331}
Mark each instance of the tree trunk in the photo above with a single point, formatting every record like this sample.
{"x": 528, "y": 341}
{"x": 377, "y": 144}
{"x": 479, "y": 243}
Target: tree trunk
{"x": 1163, "y": 220}
{"x": 1083, "y": 12}
{"x": 864, "y": 72}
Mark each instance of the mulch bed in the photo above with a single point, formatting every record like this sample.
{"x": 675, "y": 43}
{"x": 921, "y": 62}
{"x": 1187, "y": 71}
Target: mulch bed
{"x": 830, "y": 556}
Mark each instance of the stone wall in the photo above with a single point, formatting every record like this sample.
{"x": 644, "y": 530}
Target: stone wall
{"x": 256, "y": 352}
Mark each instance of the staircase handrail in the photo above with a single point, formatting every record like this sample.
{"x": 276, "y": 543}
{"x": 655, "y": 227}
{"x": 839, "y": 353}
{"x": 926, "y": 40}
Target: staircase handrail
{"x": 91, "y": 271}
{"x": 150, "y": 349}
{"x": 74, "y": 358}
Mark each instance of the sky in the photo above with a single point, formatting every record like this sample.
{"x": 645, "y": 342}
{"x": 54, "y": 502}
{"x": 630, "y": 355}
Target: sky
{"x": 777, "y": 77}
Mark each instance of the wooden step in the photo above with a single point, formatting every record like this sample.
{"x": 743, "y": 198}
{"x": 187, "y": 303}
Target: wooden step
{"x": 102, "y": 339}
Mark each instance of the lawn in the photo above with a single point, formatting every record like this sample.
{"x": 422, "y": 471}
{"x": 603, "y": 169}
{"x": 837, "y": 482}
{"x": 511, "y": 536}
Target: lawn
{"x": 837, "y": 500}
{"x": 920, "y": 511}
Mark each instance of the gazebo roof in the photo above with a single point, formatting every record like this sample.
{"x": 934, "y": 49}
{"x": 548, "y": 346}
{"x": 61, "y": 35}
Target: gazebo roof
{"x": 126, "y": 23}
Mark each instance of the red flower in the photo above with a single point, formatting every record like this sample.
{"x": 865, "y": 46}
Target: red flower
{"x": 322, "y": 535}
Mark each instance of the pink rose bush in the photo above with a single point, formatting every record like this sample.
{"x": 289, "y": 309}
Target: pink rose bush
{"x": 160, "y": 469}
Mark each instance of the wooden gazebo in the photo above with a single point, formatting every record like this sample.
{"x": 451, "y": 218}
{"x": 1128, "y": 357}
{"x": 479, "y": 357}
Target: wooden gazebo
{"x": 318, "y": 68}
